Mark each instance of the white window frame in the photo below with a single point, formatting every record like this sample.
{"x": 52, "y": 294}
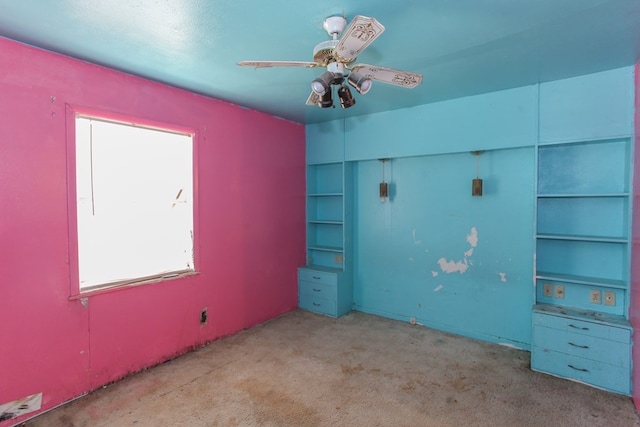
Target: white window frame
{"x": 179, "y": 201}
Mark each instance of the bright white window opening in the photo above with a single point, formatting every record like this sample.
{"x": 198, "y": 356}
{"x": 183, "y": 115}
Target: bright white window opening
{"x": 134, "y": 203}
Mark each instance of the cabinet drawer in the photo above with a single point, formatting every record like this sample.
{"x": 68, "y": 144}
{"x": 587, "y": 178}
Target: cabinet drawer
{"x": 581, "y": 345}
{"x": 318, "y": 289}
{"x": 599, "y": 374}
{"x": 611, "y": 333}
{"x": 318, "y": 304}
{"x": 317, "y": 276}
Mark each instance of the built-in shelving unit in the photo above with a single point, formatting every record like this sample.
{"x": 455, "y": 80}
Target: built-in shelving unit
{"x": 582, "y": 262}
{"x": 324, "y": 283}
{"x": 325, "y": 215}
{"x": 582, "y": 238}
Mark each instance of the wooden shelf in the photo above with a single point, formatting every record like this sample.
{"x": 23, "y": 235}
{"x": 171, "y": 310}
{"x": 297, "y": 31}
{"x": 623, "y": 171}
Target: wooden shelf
{"x": 580, "y": 195}
{"x": 325, "y": 195}
{"x": 326, "y": 248}
{"x": 570, "y": 237}
{"x": 582, "y": 314}
{"x": 582, "y": 280}
{"x": 323, "y": 268}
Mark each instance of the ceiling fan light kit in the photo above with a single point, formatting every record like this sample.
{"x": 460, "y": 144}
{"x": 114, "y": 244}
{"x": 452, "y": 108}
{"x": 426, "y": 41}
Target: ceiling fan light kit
{"x": 346, "y": 99}
{"x": 325, "y": 101}
{"x": 322, "y": 84}
{"x": 337, "y": 55}
{"x": 360, "y": 82}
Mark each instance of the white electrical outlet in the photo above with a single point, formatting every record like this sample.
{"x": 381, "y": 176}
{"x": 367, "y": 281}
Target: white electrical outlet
{"x": 595, "y": 297}
{"x": 547, "y": 290}
{"x": 559, "y": 292}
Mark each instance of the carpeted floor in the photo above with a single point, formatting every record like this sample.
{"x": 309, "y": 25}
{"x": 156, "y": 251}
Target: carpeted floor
{"x": 359, "y": 370}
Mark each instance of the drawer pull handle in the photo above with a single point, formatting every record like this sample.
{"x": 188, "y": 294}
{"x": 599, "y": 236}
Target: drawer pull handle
{"x": 578, "y": 345}
{"x": 317, "y": 277}
{"x": 578, "y": 327}
{"x": 316, "y": 290}
{"x": 578, "y": 369}
{"x": 317, "y": 305}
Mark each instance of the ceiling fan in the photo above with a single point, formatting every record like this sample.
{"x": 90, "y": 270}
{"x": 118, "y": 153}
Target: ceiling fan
{"x": 337, "y": 55}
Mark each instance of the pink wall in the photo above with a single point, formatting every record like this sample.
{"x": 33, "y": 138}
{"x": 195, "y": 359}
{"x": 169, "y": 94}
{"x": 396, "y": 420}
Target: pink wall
{"x": 250, "y": 224}
{"x": 634, "y": 309}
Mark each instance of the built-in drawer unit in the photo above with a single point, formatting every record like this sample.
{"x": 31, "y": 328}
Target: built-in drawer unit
{"x": 316, "y": 275}
{"x": 590, "y": 347}
{"x": 324, "y": 290}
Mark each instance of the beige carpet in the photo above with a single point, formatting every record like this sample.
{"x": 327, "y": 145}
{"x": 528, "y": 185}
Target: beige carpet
{"x": 360, "y": 370}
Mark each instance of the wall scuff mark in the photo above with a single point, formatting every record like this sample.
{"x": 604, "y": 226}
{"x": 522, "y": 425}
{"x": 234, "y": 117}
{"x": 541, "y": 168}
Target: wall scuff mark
{"x": 503, "y": 277}
{"x": 415, "y": 242}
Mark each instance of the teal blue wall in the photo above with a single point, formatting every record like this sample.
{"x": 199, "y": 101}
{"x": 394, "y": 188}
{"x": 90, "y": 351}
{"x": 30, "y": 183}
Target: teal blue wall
{"x": 496, "y": 120}
{"x": 413, "y": 256}
{"x": 434, "y": 252}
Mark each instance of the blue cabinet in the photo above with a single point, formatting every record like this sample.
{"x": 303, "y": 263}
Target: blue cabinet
{"x": 324, "y": 290}
{"x": 580, "y": 326}
{"x": 582, "y": 345}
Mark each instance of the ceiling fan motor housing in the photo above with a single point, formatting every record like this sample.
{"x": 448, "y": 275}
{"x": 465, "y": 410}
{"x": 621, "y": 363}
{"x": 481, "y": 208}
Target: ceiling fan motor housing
{"x": 323, "y": 52}
{"x": 334, "y": 25}
{"x": 336, "y": 68}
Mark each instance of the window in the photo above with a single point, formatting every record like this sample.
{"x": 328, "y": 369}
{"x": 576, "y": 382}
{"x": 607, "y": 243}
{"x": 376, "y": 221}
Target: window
{"x": 134, "y": 189}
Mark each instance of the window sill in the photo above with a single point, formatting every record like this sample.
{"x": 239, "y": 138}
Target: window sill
{"x": 122, "y": 285}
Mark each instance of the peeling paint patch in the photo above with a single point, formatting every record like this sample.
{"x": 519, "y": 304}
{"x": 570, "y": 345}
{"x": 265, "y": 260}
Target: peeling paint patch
{"x": 503, "y": 277}
{"x": 453, "y": 266}
{"x": 473, "y": 237}
{"x": 434, "y": 273}
{"x": 437, "y": 288}
{"x": 461, "y": 266}
{"x": 20, "y": 407}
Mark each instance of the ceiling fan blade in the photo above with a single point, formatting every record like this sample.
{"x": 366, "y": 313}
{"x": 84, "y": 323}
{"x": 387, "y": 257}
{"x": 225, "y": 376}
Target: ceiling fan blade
{"x": 266, "y": 64}
{"x": 360, "y": 33}
{"x": 313, "y": 99}
{"x": 388, "y": 75}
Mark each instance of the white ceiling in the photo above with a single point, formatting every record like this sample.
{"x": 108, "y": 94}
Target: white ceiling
{"x": 462, "y": 47}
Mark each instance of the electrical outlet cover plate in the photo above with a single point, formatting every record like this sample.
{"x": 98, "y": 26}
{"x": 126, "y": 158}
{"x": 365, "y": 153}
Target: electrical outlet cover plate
{"x": 547, "y": 290}
{"x": 609, "y": 298}
{"x": 595, "y": 297}
{"x": 559, "y": 291}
